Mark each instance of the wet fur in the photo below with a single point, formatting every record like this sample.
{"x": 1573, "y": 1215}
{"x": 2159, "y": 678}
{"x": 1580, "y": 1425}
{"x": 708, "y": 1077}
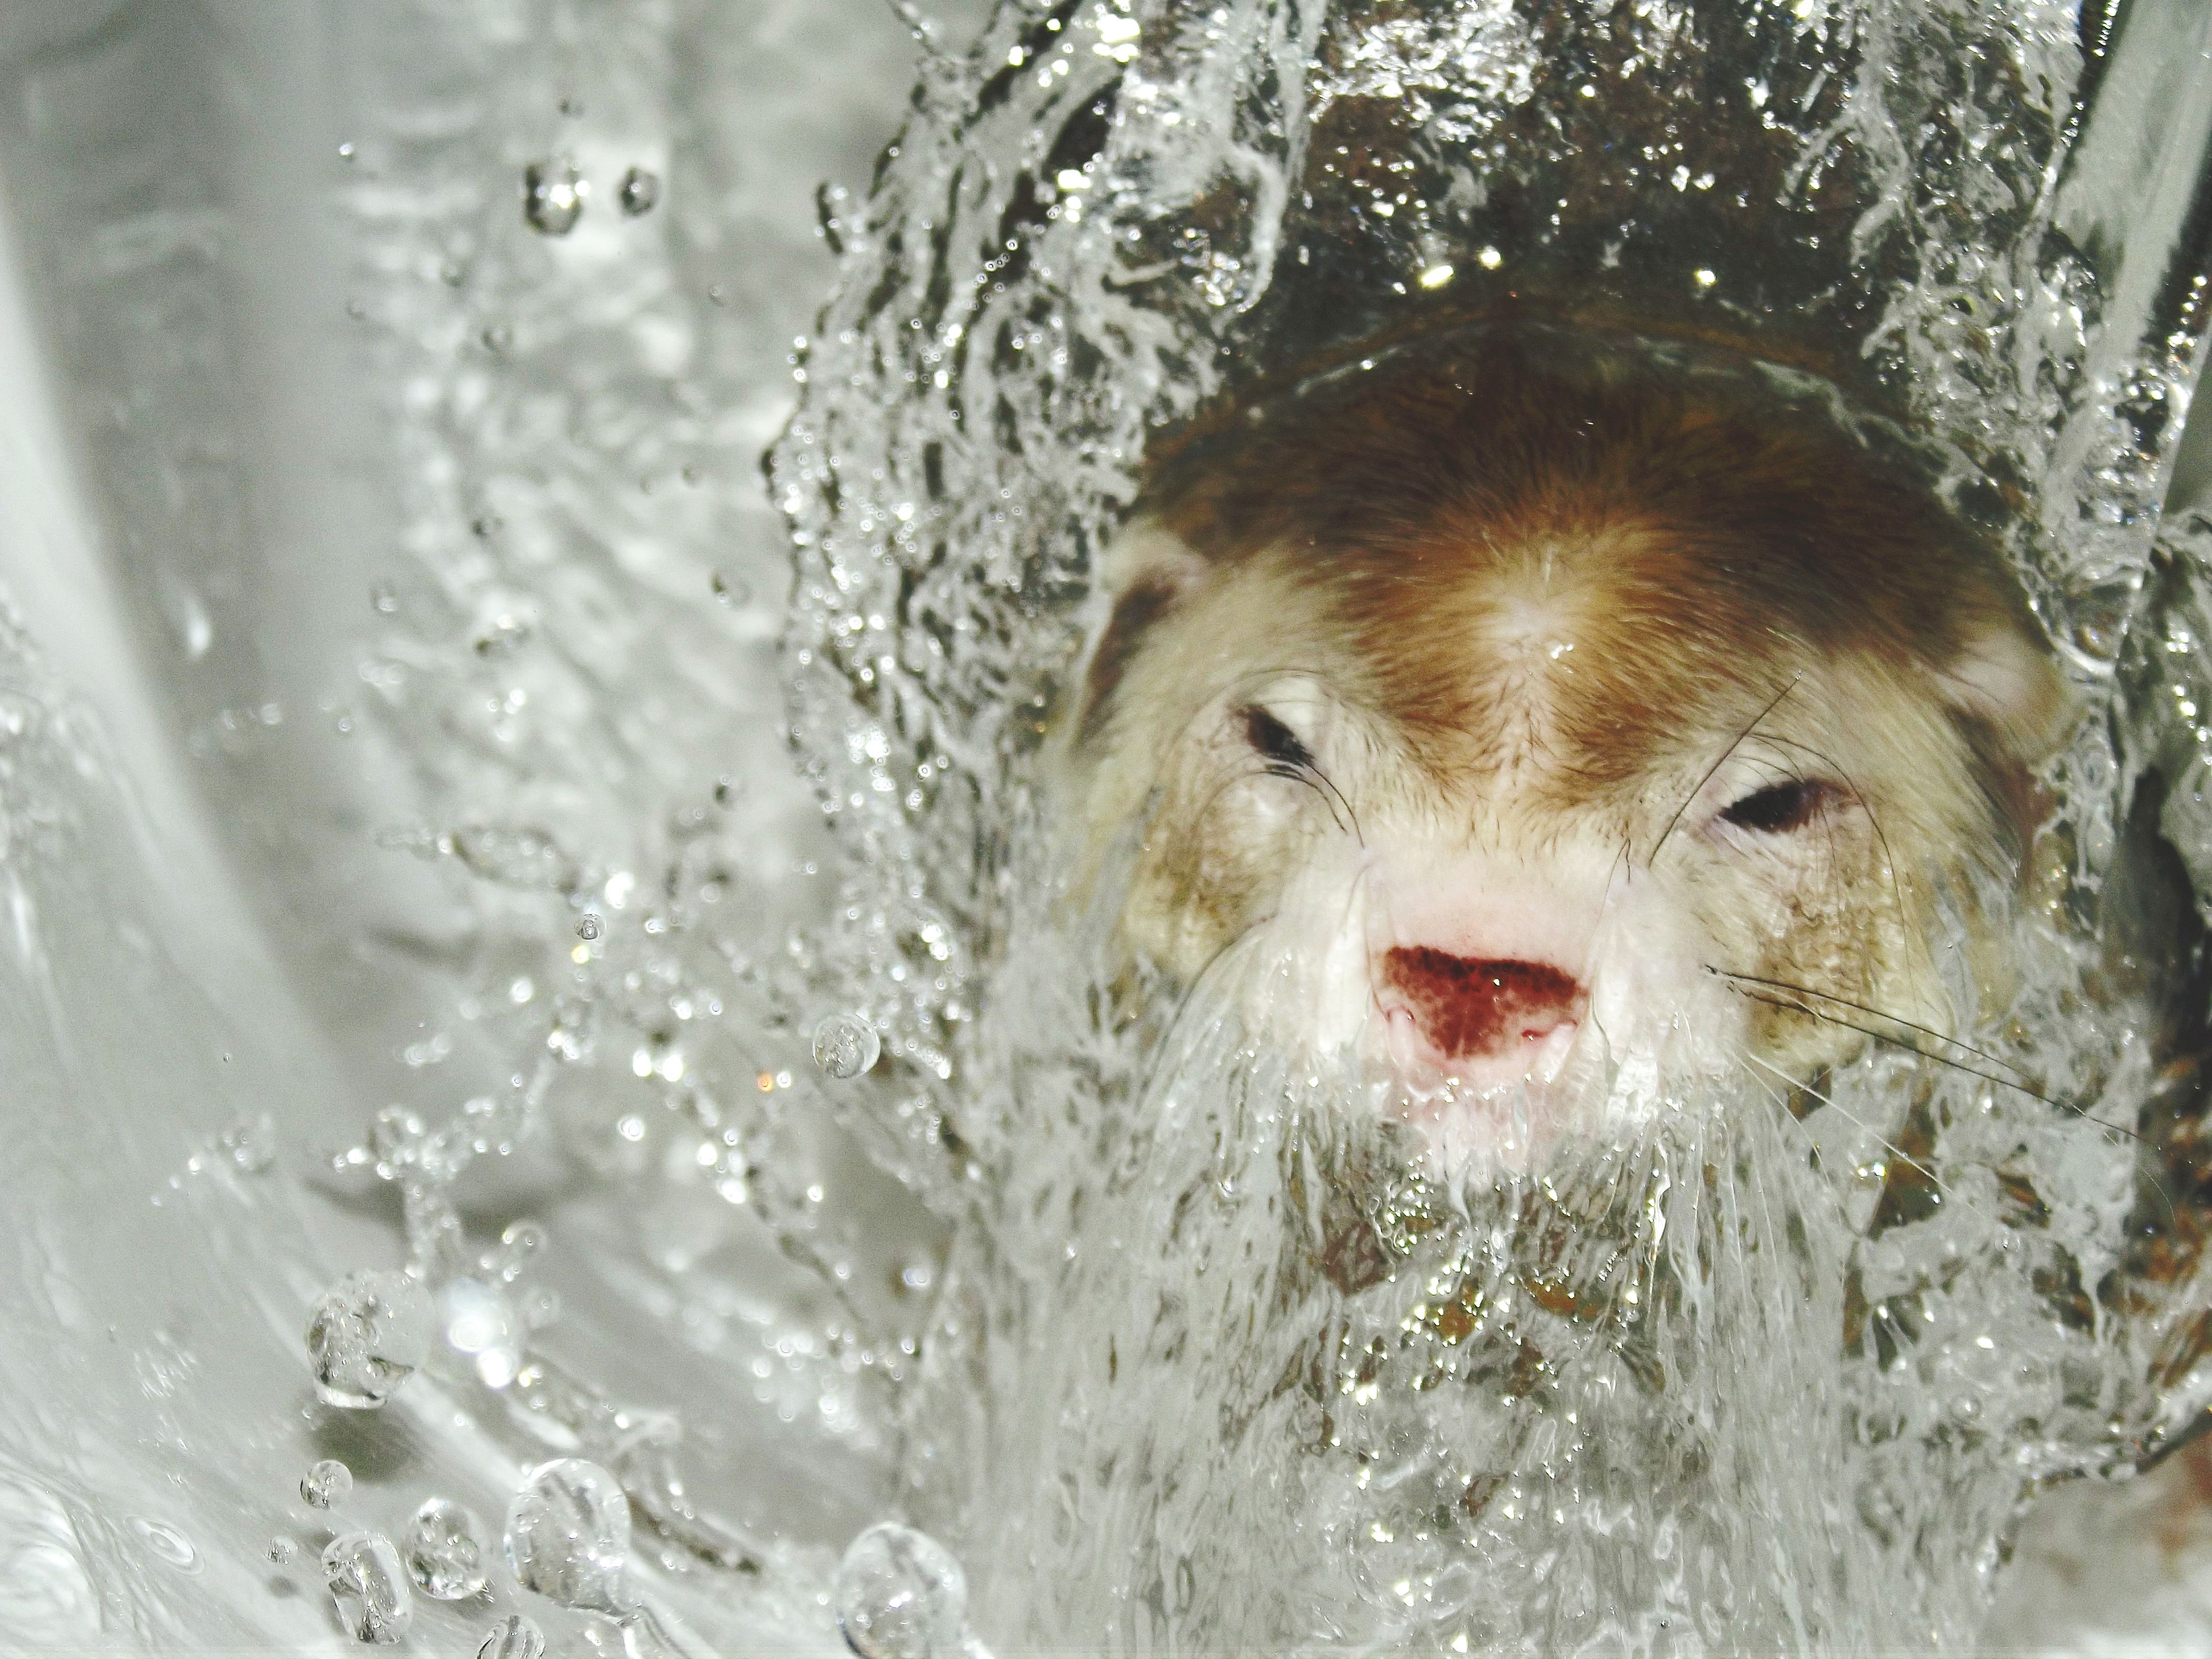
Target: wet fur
{"x": 1542, "y": 604}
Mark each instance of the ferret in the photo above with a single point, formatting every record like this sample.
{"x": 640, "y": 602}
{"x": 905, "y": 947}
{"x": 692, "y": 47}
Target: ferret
{"x": 1525, "y": 711}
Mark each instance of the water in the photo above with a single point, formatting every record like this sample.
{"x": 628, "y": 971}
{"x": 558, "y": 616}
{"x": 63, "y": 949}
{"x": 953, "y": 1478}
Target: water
{"x": 513, "y": 1638}
{"x": 327, "y": 1485}
{"x": 1772, "y": 1373}
{"x": 367, "y": 1335}
{"x": 369, "y": 1586}
{"x": 567, "y": 1535}
{"x": 445, "y": 1551}
{"x": 531, "y": 802}
{"x": 900, "y": 1595}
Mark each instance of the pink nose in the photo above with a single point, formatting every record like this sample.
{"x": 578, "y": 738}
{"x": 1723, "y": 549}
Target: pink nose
{"x": 1468, "y": 1007}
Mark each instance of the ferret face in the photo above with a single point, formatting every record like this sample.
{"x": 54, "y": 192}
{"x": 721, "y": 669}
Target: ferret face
{"x": 1529, "y": 716}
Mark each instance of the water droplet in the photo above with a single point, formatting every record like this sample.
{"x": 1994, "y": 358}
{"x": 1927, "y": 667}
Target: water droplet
{"x": 327, "y": 1483}
{"x": 552, "y": 196}
{"x": 485, "y": 525}
{"x": 588, "y": 927}
{"x": 730, "y": 590}
{"x": 366, "y": 1335}
{"x": 845, "y": 1045}
{"x": 383, "y": 597}
{"x": 283, "y": 1551}
{"x": 445, "y": 1551}
{"x": 519, "y": 1246}
{"x": 567, "y": 1535}
{"x": 641, "y": 190}
{"x": 252, "y": 1143}
{"x": 167, "y": 1542}
{"x": 513, "y": 1638}
{"x": 369, "y": 1586}
{"x": 900, "y": 1595}
{"x": 481, "y": 1323}
{"x": 497, "y": 338}
{"x": 346, "y": 152}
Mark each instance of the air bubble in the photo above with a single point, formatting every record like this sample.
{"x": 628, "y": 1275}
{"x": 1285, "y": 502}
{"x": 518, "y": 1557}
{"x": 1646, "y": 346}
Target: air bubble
{"x": 552, "y": 196}
{"x": 900, "y": 1595}
{"x": 329, "y": 1482}
{"x": 445, "y": 1551}
{"x": 845, "y": 1045}
{"x": 567, "y": 1535}
{"x": 283, "y": 1551}
{"x": 640, "y": 192}
{"x": 730, "y": 590}
{"x": 367, "y": 1335}
{"x": 589, "y": 927}
{"x": 370, "y": 1587}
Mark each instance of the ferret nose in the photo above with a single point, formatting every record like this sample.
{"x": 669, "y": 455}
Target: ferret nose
{"x": 1476, "y": 1007}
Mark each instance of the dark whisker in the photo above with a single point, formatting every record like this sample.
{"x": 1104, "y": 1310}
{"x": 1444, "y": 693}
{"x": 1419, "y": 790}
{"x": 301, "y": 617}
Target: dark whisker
{"x": 1719, "y": 763}
{"x": 2054, "y": 1102}
{"x": 1890, "y": 1146}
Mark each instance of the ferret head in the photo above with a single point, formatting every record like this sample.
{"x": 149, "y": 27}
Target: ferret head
{"x": 1533, "y": 712}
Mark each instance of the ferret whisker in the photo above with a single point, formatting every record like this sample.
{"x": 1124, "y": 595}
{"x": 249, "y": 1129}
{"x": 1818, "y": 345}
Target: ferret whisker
{"x": 1719, "y": 761}
{"x": 2056, "y": 1102}
{"x": 1189, "y": 994}
{"x": 1888, "y": 1145}
{"x": 1896, "y": 1151}
{"x": 1333, "y": 798}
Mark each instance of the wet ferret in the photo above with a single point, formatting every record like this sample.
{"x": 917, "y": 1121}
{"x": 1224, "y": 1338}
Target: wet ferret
{"x": 1547, "y": 718}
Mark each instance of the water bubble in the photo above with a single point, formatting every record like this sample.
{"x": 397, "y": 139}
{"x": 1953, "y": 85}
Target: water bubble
{"x": 283, "y": 1551}
{"x": 167, "y": 1542}
{"x": 366, "y": 1335}
{"x": 641, "y": 190}
{"x": 512, "y": 1638}
{"x": 589, "y": 927}
{"x": 481, "y": 1323}
{"x": 900, "y": 1595}
{"x": 567, "y": 1535}
{"x": 252, "y": 1143}
{"x": 552, "y": 196}
{"x": 370, "y": 1587}
{"x": 327, "y": 1483}
{"x": 730, "y": 590}
{"x": 445, "y": 1551}
{"x": 845, "y": 1045}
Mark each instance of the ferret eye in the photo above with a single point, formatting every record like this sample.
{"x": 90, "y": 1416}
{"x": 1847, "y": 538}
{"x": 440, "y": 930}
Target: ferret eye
{"x": 1274, "y": 739}
{"x": 1781, "y": 807}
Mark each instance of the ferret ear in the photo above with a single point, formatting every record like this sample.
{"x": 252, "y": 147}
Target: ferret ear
{"x": 1148, "y": 555}
{"x": 1142, "y": 575}
{"x": 2006, "y": 679}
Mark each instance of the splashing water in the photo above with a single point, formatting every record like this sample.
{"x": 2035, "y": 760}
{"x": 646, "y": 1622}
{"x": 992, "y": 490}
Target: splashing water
{"x": 1211, "y": 1356}
{"x": 1219, "y": 1359}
